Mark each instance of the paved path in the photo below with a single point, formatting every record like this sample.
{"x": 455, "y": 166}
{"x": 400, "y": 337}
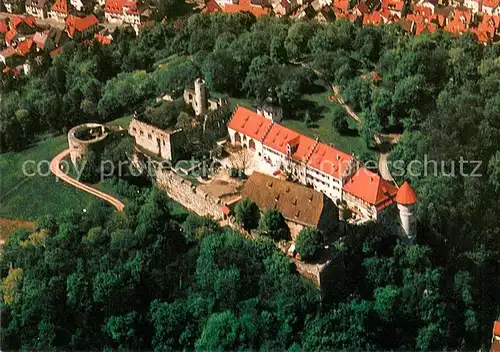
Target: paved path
{"x": 383, "y": 167}
{"x": 56, "y": 170}
{"x": 342, "y": 102}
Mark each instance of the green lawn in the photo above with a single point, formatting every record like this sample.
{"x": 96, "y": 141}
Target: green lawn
{"x": 29, "y": 197}
{"x": 323, "y": 127}
{"x": 122, "y": 122}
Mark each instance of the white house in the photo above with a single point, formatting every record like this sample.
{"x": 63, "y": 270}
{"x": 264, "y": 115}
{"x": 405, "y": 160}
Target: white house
{"x": 36, "y": 8}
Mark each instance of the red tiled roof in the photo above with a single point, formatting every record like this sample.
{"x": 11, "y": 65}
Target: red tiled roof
{"x": 120, "y": 6}
{"x": 456, "y": 26}
{"x": 9, "y": 36}
{"x": 363, "y": 8}
{"x": 421, "y": 27}
{"x": 212, "y": 6}
{"x": 329, "y": 160}
{"x": 225, "y": 210}
{"x": 40, "y": 38}
{"x": 463, "y": 14}
{"x": 249, "y": 123}
{"x": 491, "y": 20}
{"x": 491, "y": 3}
{"x": 371, "y": 188}
{"x": 496, "y": 328}
{"x": 103, "y": 39}
{"x": 24, "y": 47}
{"x": 422, "y": 10}
{"x": 372, "y": 18}
{"x": 406, "y": 195}
{"x": 17, "y": 20}
{"x": 244, "y": 5}
{"x": 439, "y": 19}
{"x": 80, "y": 23}
{"x": 342, "y": 5}
{"x": 60, "y": 6}
{"x": 280, "y": 137}
{"x": 3, "y": 26}
{"x": 8, "y": 52}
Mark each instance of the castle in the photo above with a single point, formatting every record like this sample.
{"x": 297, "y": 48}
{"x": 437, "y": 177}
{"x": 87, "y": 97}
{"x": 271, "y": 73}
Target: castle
{"x": 338, "y": 175}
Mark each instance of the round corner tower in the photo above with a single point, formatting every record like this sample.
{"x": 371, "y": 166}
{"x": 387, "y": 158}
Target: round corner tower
{"x": 83, "y": 137}
{"x": 406, "y": 200}
{"x": 200, "y": 96}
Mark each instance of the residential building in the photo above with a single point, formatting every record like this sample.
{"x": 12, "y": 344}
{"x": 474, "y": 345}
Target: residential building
{"x": 81, "y": 26}
{"x": 36, "y": 8}
{"x": 300, "y": 206}
{"x": 236, "y": 6}
{"x": 122, "y": 11}
{"x": 59, "y": 10}
{"x": 367, "y": 194}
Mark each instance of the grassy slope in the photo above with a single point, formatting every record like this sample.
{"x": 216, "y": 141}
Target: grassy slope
{"x": 28, "y": 197}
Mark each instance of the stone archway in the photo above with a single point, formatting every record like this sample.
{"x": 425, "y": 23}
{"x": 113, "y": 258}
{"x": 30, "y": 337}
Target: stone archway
{"x": 237, "y": 138}
{"x": 251, "y": 144}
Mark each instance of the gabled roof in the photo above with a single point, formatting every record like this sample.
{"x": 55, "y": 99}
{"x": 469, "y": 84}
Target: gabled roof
{"x": 249, "y": 123}
{"x": 280, "y": 137}
{"x": 24, "y": 47}
{"x": 60, "y": 6}
{"x": 491, "y": 3}
{"x": 429, "y": 27}
{"x": 371, "y": 188}
{"x": 3, "y": 26}
{"x": 406, "y": 195}
{"x": 212, "y": 6}
{"x": 80, "y": 24}
{"x": 393, "y": 5}
{"x": 362, "y": 7}
{"x": 329, "y": 160}
{"x": 342, "y": 5}
{"x": 15, "y": 21}
{"x": 10, "y": 35}
{"x": 296, "y": 202}
{"x": 121, "y": 6}
{"x": 245, "y": 5}
{"x": 462, "y": 14}
{"x": 102, "y": 39}
{"x": 372, "y": 18}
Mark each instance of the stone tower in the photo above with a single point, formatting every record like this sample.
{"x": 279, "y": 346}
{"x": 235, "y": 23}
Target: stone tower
{"x": 200, "y": 106}
{"x": 406, "y": 200}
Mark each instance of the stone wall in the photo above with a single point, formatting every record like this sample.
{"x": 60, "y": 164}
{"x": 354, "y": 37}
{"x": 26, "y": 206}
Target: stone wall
{"x": 163, "y": 143}
{"x": 190, "y": 196}
{"x": 79, "y": 146}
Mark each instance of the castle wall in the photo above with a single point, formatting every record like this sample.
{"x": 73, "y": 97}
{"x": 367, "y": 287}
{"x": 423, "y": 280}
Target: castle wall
{"x": 79, "y": 147}
{"x": 157, "y": 141}
{"x": 191, "y": 197}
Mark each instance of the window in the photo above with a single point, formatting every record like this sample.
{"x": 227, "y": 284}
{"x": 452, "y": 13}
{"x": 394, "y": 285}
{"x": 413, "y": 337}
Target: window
{"x": 141, "y": 133}
{"x": 150, "y": 136}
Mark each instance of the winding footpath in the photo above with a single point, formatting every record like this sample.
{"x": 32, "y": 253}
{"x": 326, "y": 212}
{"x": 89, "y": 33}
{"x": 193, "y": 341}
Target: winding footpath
{"x": 55, "y": 168}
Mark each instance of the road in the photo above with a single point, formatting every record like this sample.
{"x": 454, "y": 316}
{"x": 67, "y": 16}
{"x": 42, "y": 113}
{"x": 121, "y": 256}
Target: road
{"x": 55, "y": 168}
{"x": 346, "y": 107}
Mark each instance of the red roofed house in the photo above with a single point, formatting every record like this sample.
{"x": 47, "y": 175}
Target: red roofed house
{"x": 122, "y": 11}
{"x": 491, "y": 7}
{"x": 368, "y": 193}
{"x": 81, "y": 26}
{"x": 212, "y": 6}
{"x": 245, "y": 6}
{"x": 103, "y": 39}
{"x": 248, "y": 129}
{"x": 394, "y": 6}
{"x": 36, "y": 8}
{"x": 24, "y": 24}
{"x": 375, "y": 19}
{"x": 59, "y": 11}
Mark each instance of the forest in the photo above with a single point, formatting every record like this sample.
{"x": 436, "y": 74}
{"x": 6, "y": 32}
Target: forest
{"x": 150, "y": 279}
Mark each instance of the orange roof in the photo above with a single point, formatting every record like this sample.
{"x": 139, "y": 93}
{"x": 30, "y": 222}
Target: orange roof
{"x": 329, "y": 160}
{"x": 212, "y": 6}
{"x": 439, "y": 18}
{"x": 24, "y": 47}
{"x": 491, "y": 3}
{"x": 463, "y": 14}
{"x": 80, "y": 23}
{"x": 491, "y": 20}
{"x": 372, "y": 18}
{"x": 280, "y": 137}
{"x": 9, "y": 36}
{"x": 120, "y": 6}
{"x": 421, "y": 27}
{"x": 60, "y": 6}
{"x": 3, "y": 26}
{"x": 406, "y": 195}
{"x": 496, "y": 328}
{"x": 371, "y": 188}
{"x": 455, "y": 26}
{"x": 422, "y": 10}
{"x": 244, "y": 5}
{"x": 342, "y": 5}
{"x": 17, "y": 20}
{"x": 225, "y": 210}
{"x": 103, "y": 39}
{"x": 249, "y": 123}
